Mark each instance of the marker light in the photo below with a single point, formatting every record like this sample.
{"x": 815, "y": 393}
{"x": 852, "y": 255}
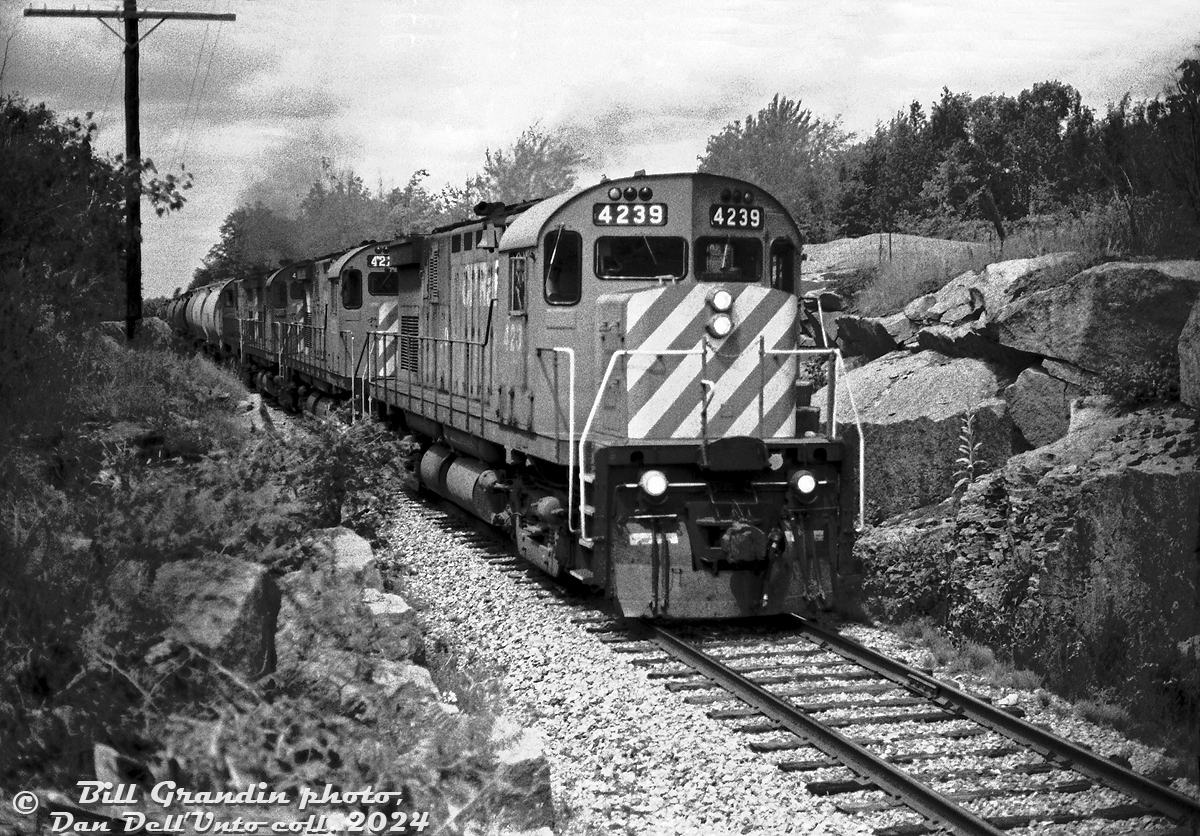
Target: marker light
{"x": 804, "y": 484}
{"x": 720, "y": 325}
{"x": 614, "y": 193}
{"x": 645, "y": 193}
{"x": 653, "y": 483}
{"x": 749, "y": 198}
{"x": 720, "y": 300}
{"x": 630, "y": 192}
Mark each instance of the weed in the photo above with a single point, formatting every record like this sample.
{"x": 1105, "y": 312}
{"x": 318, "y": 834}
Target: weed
{"x": 970, "y": 465}
{"x": 1102, "y": 712}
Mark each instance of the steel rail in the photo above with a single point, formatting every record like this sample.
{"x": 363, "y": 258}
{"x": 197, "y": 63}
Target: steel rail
{"x": 914, "y": 794}
{"x": 1170, "y": 803}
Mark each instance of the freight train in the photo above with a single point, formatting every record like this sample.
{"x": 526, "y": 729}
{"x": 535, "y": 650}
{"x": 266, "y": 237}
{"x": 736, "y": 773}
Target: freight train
{"x": 614, "y": 376}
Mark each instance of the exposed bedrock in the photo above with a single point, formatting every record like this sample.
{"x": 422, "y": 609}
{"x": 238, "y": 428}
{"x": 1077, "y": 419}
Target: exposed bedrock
{"x": 1076, "y": 559}
{"x": 1109, "y": 317}
{"x": 913, "y": 409}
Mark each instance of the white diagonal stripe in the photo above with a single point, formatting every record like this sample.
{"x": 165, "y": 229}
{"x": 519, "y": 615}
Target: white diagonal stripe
{"x": 665, "y": 334}
{"x": 671, "y": 390}
{"x": 744, "y": 365}
{"x": 776, "y": 389}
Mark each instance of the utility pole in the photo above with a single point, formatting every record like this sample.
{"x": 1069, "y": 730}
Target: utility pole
{"x": 133, "y": 140}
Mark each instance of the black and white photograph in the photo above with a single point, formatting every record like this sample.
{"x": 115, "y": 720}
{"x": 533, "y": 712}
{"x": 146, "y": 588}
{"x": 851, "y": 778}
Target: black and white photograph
{"x": 626, "y": 418}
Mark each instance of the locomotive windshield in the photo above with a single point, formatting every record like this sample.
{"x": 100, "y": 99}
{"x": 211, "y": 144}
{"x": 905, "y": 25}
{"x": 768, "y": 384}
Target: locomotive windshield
{"x": 641, "y": 257}
{"x": 728, "y": 259}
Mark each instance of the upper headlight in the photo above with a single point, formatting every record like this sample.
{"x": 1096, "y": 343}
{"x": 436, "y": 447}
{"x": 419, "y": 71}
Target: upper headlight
{"x": 720, "y": 300}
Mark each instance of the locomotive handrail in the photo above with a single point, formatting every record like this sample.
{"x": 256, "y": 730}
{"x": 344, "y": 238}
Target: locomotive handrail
{"x": 425, "y": 338}
{"x": 570, "y": 352}
{"x": 587, "y": 427}
{"x": 836, "y": 355}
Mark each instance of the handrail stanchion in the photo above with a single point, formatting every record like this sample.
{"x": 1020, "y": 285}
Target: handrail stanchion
{"x": 570, "y": 352}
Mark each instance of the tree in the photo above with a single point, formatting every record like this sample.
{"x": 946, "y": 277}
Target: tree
{"x": 61, "y": 232}
{"x": 254, "y": 240}
{"x": 539, "y": 164}
{"x": 1178, "y": 121}
{"x": 789, "y": 153}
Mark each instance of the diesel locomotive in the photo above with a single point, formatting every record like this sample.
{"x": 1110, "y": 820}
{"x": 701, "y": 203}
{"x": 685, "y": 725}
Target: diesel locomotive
{"x": 614, "y": 376}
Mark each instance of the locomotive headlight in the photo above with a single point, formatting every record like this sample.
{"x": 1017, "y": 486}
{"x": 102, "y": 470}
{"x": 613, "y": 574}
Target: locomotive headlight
{"x": 720, "y": 325}
{"x": 614, "y": 193}
{"x": 653, "y": 483}
{"x": 720, "y": 300}
{"x": 804, "y": 484}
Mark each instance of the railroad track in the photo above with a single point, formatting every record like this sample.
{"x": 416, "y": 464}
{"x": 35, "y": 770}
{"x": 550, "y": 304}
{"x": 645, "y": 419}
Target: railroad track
{"x": 881, "y": 739}
{"x": 825, "y": 701}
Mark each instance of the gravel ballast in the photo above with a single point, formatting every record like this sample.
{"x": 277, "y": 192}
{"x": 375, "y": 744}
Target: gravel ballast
{"x": 627, "y": 755}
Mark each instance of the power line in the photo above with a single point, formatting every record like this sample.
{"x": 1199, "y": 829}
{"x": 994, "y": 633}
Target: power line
{"x": 131, "y": 16}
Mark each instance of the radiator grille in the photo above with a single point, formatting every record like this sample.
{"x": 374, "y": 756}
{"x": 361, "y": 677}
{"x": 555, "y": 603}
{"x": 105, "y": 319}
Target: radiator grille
{"x": 408, "y": 343}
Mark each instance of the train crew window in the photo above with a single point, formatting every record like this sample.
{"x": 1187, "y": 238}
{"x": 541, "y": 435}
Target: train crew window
{"x": 516, "y": 283}
{"x": 783, "y": 265}
{"x": 383, "y": 283}
{"x": 352, "y": 289}
{"x": 641, "y": 257}
{"x": 468, "y": 241}
{"x": 564, "y": 267}
{"x": 456, "y": 244}
{"x": 295, "y": 290}
{"x": 279, "y": 295}
{"x": 728, "y": 259}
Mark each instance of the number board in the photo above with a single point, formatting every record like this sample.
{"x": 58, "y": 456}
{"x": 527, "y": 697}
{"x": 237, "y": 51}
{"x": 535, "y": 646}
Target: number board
{"x": 629, "y": 214}
{"x": 736, "y": 217}
{"x": 381, "y": 260}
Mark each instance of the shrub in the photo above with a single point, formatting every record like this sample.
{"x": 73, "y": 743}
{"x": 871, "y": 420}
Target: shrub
{"x": 1134, "y": 385}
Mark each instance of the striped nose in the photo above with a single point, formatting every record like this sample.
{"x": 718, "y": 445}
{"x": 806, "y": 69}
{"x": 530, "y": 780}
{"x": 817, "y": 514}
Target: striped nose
{"x": 729, "y": 384}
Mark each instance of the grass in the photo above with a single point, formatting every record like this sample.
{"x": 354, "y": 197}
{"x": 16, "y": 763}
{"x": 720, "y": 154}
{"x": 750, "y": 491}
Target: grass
{"x": 966, "y": 657}
{"x": 126, "y": 459}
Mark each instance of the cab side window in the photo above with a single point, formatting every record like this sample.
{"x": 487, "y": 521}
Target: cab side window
{"x": 352, "y": 289}
{"x": 783, "y": 265}
{"x": 563, "y": 258}
{"x": 516, "y": 287}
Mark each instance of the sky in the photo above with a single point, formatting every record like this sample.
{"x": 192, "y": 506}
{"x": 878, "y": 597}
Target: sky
{"x": 392, "y": 86}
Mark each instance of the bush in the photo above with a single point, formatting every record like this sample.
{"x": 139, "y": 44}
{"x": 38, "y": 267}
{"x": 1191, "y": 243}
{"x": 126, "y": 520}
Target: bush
{"x": 1134, "y": 385}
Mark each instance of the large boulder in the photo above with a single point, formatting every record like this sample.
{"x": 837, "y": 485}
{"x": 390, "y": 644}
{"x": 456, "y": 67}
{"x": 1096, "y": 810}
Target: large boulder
{"x": 346, "y": 554}
{"x": 864, "y": 335}
{"x": 224, "y": 607}
{"x": 1189, "y": 359}
{"x": 1078, "y": 558}
{"x": 914, "y": 410}
{"x": 1040, "y": 405}
{"x": 1112, "y": 317}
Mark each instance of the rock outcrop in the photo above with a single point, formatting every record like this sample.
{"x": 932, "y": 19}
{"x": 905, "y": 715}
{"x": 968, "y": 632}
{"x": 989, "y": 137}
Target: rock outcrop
{"x": 1189, "y": 359}
{"x": 1109, "y": 317}
{"x": 1079, "y": 557}
{"x": 224, "y": 607}
{"x": 913, "y": 408}
{"x": 1040, "y": 405}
